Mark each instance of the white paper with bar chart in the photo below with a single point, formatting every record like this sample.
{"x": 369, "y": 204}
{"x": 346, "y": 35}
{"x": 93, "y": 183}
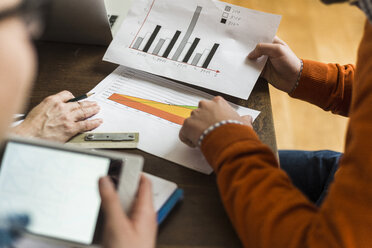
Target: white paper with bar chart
{"x": 200, "y": 42}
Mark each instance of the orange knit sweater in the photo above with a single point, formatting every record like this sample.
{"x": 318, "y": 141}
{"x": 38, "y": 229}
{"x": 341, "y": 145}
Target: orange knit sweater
{"x": 264, "y": 207}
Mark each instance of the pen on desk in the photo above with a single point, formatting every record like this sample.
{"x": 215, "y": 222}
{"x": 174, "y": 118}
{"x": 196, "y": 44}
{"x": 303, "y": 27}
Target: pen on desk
{"x": 79, "y": 98}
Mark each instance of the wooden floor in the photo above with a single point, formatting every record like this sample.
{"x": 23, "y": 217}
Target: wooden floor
{"x": 314, "y": 31}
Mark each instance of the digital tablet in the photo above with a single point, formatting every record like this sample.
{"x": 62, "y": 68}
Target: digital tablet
{"x": 57, "y": 187}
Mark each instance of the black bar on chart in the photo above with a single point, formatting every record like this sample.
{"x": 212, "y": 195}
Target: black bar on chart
{"x": 171, "y": 44}
{"x": 191, "y": 50}
{"x": 158, "y": 47}
{"x": 210, "y": 56}
{"x": 196, "y": 59}
{"x": 138, "y": 43}
{"x": 152, "y": 38}
{"x": 189, "y": 31}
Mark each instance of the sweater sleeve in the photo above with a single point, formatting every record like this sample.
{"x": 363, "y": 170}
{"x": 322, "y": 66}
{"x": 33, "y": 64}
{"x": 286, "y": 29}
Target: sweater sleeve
{"x": 329, "y": 86}
{"x": 268, "y": 211}
{"x": 264, "y": 207}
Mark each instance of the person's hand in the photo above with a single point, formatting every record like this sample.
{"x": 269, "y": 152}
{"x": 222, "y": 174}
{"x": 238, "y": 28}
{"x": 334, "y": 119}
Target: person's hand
{"x": 57, "y": 120}
{"x": 121, "y": 231}
{"x": 282, "y": 68}
{"x": 208, "y": 114}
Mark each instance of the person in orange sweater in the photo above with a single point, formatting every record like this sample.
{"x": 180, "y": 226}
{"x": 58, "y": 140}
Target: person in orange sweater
{"x": 265, "y": 207}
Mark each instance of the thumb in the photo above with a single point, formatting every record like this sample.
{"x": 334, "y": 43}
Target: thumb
{"x": 114, "y": 214}
{"x": 247, "y": 120}
{"x": 271, "y": 50}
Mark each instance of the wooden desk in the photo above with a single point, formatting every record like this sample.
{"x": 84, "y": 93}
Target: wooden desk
{"x": 200, "y": 220}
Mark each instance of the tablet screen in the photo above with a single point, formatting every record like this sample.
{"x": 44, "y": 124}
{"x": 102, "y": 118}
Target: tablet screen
{"x": 58, "y": 189}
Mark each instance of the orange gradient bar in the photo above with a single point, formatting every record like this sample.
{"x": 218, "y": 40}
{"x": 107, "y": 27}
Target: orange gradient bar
{"x": 147, "y": 109}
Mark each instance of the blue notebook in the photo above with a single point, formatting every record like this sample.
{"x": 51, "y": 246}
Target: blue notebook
{"x": 166, "y": 195}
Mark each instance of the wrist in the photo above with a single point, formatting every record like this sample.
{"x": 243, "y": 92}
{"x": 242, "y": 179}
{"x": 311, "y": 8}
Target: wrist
{"x": 25, "y": 130}
{"x": 227, "y": 137}
{"x": 298, "y": 77}
{"x": 215, "y": 126}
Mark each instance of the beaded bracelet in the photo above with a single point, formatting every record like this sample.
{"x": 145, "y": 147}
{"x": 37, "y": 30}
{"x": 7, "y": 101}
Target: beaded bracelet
{"x": 216, "y": 125}
{"x": 298, "y": 78}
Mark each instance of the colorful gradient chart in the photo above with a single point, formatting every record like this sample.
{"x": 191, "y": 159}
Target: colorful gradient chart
{"x": 170, "y": 112}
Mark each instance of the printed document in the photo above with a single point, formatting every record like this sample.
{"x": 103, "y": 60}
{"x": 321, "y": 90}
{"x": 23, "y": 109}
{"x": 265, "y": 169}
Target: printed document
{"x": 156, "y": 108}
{"x": 199, "y": 42}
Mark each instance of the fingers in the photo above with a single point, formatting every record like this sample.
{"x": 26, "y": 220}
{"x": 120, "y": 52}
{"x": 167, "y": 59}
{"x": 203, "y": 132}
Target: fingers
{"x": 277, "y": 40}
{"x": 209, "y": 103}
{"x": 87, "y": 125}
{"x": 220, "y": 100}
{"x": 247, "y": 120}
{"x": 223, "y": 103}
{"x": 203, "y": 103}
{"x": 185, "y": 140}
{"x": 85, "y": 104}
{"x": 188, "y": 133}
{"x": 59, "y": 98}
{"x": 114, "y": 214}
{"x": 271, "y": 50}
{"x": 64, "y": 96}
{"x": 208, "y": 113}
{"x": 143, "y": 213}
{"x": 85, "y": 110}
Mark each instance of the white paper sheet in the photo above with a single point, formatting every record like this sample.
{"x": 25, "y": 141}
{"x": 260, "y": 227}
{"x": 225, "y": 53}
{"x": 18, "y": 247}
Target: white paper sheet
{"x": 232, "y": 30}
{"x": 158, "y": 136}
{"x": 161, "y": 190}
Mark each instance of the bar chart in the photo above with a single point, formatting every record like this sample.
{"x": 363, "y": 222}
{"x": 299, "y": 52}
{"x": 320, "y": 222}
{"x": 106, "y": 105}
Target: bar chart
{"x": 199, "y": 42}
{"x": 181, "y": 47}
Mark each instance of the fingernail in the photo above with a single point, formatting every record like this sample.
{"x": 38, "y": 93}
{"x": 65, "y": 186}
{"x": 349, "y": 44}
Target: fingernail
{"x": 105, "y": 182}
{"x": 100, "y": 120}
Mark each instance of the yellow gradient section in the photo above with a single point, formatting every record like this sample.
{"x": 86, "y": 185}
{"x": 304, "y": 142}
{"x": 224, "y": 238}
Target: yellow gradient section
{"x": 176, "y": 110}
